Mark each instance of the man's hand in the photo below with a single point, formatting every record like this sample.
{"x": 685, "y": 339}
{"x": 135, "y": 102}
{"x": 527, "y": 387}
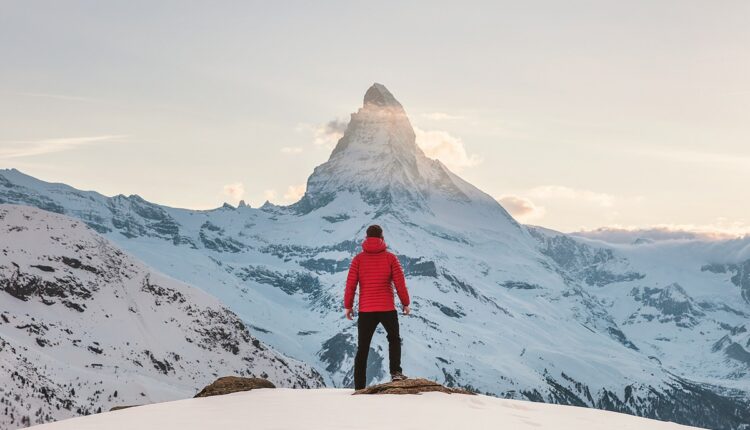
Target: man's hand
{"x": 407, "y": 310}
{"x": 349, "y": 314}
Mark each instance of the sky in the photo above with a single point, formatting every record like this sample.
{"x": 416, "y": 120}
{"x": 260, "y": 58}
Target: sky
{"x": 575, "y": 115}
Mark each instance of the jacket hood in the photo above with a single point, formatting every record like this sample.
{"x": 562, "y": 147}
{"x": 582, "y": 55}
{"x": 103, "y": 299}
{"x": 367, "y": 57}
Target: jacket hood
{"x": 373, "y": 245}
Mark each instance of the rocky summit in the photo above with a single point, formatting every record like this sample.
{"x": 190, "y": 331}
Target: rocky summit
{"x": 411, "y": 386}
{"x": 233, "y": 384}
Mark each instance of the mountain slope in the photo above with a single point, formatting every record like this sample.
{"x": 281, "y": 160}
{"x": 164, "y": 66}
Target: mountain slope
{"x": 501, "y": 308}
{"x": 337, "y": 409}
{"x": 83, "y": 327}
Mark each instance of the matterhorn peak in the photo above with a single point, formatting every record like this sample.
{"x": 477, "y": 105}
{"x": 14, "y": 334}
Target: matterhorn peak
{"x": 379, "y": 95}
{"x": 378, "y": 160}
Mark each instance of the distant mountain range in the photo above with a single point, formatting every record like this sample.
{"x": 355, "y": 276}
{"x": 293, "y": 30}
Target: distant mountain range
{"x": 657, "y": 329}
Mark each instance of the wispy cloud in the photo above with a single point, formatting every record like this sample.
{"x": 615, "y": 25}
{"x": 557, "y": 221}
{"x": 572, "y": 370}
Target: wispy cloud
{"x": 294, "y": 193}
{"x": 270, "y": 195}
{"x": 28, "y": 148}
{"x": 447, "y": 148}
{"x": 328, "y": 134}
{"x": 564, "y": 207}
{"x": 436, "y": 144}
{"x": 522, "y": 208}
{"x": 325, "y": 135}
{"x": 235, "y": 191}
{"x": 720, "y": 229}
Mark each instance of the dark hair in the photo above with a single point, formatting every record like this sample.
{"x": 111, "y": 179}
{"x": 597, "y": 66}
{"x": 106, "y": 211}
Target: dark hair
{"x": 374, "y": 231}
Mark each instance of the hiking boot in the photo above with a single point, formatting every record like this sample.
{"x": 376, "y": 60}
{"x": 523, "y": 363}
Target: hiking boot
{"x": 398, "y": 376}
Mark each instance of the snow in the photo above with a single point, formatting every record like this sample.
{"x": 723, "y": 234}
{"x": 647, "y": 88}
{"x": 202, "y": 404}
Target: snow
{"x": 332, "y": 409}
{"x": 108, "y": 330}
{"x": 528, "y": 308}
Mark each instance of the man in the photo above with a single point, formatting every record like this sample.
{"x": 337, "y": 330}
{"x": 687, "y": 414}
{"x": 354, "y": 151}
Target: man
{"x": 376, "y": 271}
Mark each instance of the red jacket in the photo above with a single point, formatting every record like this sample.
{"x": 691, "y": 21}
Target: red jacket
{"x": 376, "y": 271}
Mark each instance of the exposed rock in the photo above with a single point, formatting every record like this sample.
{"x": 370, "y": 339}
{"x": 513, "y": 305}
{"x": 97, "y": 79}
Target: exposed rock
{"x": 672, "y": 303}
{"x": 410, "y": 386}
{"x": 289, "y": 282}
{"x": 581, "y": 261}
{"x": 233, "y": 384}
{"x": 740, "y": 272}
{"x": 119, "y": 408}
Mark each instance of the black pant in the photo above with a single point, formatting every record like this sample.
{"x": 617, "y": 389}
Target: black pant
{"x": 366, "y": 325}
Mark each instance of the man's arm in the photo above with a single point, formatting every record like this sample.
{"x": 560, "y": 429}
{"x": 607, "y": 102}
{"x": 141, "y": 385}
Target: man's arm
{"x": 400, "y": 282}
{"x": 352, "y": 279}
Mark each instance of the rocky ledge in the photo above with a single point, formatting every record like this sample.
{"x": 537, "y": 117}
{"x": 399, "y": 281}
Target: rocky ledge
{"x": 233, "y": 384}
{"x": 411, "y": 386}
{"x": 119, "y": 408}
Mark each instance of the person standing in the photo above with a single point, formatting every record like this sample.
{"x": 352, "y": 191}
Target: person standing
{"x": 376, "y": 271}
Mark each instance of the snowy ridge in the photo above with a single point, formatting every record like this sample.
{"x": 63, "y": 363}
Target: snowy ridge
{"x": 333, "y": 409}
{"x": 520, "y": 312}
{"x": 84, "y": 327}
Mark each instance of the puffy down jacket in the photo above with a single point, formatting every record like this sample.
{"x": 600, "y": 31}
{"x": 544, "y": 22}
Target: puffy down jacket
{"x": 376, "y": 271}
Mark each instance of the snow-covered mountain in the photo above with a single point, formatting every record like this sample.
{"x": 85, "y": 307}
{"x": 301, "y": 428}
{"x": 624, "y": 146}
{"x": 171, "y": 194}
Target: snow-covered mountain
{"x": 378, "y": 162}
{"x": 84, "y": 327}
{"x": 337, "y": 409}
{"x": 657, "y": 330}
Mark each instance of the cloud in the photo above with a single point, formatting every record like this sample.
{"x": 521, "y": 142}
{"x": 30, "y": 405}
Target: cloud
{"x": 446, "y": 148}
{"x": 28, "y": 148}
{"x": 436, "y": 144}
{"x": 270, "y": 195}
{"x": 521, "y": 208}
{"x": 564, "y": 205}
{"x": 328, "y": 134}
{"x": 720, "y": 229}
{"x": 550, "y": 192}
{"x": 291, "y": 150}
{"x": 441, "y": 116}
{"x": 235, "y": 191}
{"x": 294, "y": 193}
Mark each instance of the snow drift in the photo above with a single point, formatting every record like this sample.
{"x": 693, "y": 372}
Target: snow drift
{"x": 332, "y": 409}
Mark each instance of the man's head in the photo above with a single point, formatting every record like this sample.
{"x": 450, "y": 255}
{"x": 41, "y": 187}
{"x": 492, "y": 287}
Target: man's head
{"x": 375, "y": 231}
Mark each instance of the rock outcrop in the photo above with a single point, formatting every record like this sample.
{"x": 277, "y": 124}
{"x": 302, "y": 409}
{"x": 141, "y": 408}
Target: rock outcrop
{"x": 119, "y": 408}
{"x": 411, "y": 386}
{"x": 233, "y": 384}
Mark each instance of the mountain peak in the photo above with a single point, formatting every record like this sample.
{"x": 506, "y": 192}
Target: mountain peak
{"x": 379, "y": 159}
{"x": 379, "y": 95}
